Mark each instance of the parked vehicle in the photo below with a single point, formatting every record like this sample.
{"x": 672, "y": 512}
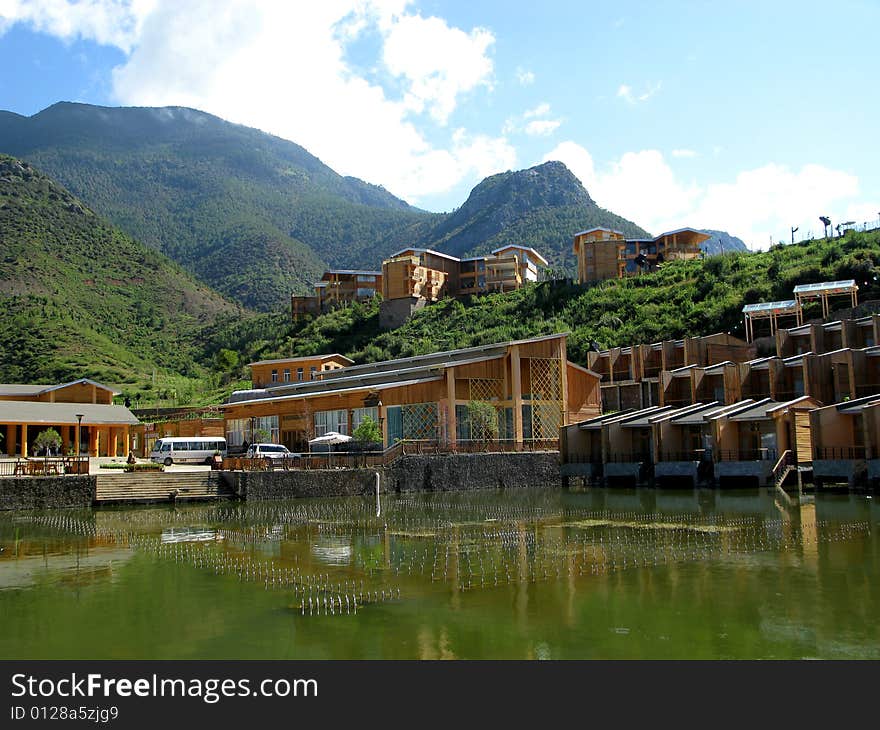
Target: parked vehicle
{"x": 269, "y": 451}
{"x": 187, "y": 449}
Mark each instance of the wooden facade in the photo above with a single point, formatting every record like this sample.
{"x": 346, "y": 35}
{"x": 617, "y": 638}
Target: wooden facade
{"x": 530, "y": 383}
{"x": 102, "y": 429}
{"x": 267, "y": 373}
{"x": 337, "y": 288}
{"x": 603, "y": 253}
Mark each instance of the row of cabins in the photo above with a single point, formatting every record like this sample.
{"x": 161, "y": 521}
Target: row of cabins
{"x": 748, "y": 441}
{"x": 413, "y": 277}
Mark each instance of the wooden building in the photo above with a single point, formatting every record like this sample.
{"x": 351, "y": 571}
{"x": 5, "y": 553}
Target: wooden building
{"x": 81, "y": 412}
{"x": 531, "y": 384}
{"x": 821, "y": 337}
{"x": 414, "y": 277}
{"x": 337, "y": 288}
{"x": 603, "y": 253}
{"x": 266, "y": 373}
{"x": 846, "y": 442}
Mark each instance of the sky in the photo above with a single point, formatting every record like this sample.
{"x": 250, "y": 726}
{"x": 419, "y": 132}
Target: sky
{"x": 747, "y": 116}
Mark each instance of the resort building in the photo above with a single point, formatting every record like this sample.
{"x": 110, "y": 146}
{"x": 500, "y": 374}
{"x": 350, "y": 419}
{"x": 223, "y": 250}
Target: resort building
{"x": 531, "y": 384}
{"x": 603, "y": 253}
{"x": 414, "y": 277}
{"x": 82, "y": 412}
{"x": 337, "y": 288}
{"x": 846, "y": 441}
{"x": 268, "y": 373}
{"x": 751, "y": 440}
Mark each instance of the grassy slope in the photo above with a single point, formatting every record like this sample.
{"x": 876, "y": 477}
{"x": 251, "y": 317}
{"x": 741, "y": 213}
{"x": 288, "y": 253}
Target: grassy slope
{"x": 79, "y": 298}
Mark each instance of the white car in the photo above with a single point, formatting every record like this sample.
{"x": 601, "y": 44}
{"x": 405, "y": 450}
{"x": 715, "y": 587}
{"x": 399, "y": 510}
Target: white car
{"x": 269, "y": 451}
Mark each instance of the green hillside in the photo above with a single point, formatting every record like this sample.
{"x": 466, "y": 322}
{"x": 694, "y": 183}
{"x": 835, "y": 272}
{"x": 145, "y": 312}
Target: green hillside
{"x": 683, "y": 298}
{"x": 78, "y": 298}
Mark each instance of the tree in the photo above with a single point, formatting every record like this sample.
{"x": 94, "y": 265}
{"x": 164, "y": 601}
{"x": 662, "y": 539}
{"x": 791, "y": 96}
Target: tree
{"x": 226, "y": 360}
{"x": 368, "y": 432}
{"x": 48, "y": 440}
{"x": 483, "y": 420}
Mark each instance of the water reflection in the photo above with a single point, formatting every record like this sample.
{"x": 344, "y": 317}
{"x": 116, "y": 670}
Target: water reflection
{"x": 521, "y": 573}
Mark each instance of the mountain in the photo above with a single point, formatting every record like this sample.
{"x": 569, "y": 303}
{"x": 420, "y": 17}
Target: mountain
{"x": 722, "y": 242}
{"x": 253, "y": 215}
{"x": 79, "y": 298}
{"x": 258, "y": 217}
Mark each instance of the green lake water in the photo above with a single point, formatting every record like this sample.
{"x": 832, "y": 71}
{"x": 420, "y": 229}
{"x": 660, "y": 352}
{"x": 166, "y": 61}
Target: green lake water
{"x": 536, "y": 574}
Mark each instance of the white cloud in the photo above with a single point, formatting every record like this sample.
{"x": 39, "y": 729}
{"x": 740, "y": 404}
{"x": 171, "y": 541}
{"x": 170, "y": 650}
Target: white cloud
{"x": 542, "y": 110}
{"x": 684, "y": 153}
{"x": 625, "y": 92}
{"x": 757, "y": 205}
{"x": 282, "y": 67}
{"x": 524, "y": 76}
{"x": 439, "y": 62}
{"x": 542, "y": 127}
{"x": 536, "y": 127}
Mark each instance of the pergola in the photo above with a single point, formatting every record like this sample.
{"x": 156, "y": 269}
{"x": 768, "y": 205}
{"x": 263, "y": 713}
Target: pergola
{"x": 825, "y": 289}
{"x": 772, "y": 311}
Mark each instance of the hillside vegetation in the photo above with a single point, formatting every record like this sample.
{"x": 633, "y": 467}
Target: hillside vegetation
{"x": 258, "y": 218}
{"x": 79, "y": 298}
{"x": 684, "y": 298}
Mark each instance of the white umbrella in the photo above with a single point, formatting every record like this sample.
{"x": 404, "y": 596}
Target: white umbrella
{"x": 329, "y": 439}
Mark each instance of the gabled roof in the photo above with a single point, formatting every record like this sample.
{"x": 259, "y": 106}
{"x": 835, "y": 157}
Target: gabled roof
{"x": 423, "y": 250}
{"x": 20, "y": 389}
{"x": 599, "y": 228}
{"x": 64, "y": 414}
{"x": 321, "y": 358}
{"x": 522, "y": 248}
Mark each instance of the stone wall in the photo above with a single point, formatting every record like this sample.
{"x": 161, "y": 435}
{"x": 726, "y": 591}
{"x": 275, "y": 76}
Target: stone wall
{"x": 293, "y": 484}
{"x": 474, "y": 471}
{"x": 46, "y": 492}
{"x": 408, "y": 474}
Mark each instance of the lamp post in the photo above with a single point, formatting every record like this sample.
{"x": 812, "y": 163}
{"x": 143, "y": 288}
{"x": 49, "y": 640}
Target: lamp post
{"x": 79, "y": 418}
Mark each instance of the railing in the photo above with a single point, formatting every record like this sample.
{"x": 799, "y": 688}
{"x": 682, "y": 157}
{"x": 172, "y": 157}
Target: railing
{"x": 782, "y": 467}
{"x": 368, "y": 459}
{"x": 839, "y": 452}
{"x": 633, "y": 458}
{"x": 747, "y": 455}
{"x": 689, "y": 455}
{"x": 45, "y": 466}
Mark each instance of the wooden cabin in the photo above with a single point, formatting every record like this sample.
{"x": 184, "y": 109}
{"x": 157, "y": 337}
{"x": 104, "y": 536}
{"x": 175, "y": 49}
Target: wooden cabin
{"x": 337, "y": 288}
{"x": 82, "y": 412}
{"x": 600, "y": 254}
{"x": 751, "y": 440}
{"x": 846, "y": 442}
{"x": 531, "y": 384}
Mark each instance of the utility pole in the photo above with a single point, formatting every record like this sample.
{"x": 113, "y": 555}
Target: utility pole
{"x": 793, "y": 229}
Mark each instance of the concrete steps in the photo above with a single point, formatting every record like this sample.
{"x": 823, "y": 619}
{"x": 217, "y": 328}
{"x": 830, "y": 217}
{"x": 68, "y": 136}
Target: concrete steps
{"x": 158, "y": 487}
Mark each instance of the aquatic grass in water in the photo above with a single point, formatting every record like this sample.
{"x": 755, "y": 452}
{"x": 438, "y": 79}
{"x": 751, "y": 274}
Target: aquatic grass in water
{"x": 476, "y": 575}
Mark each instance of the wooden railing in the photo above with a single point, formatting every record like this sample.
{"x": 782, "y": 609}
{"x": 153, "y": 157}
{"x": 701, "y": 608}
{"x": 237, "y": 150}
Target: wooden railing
{"x": 372, "y": 459}
{"x": 44, "y": 466}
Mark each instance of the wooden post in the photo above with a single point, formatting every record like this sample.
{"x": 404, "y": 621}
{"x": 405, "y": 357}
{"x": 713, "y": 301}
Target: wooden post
{"x": 126, "y": 438}
{"x": 24, "y": 442}
{"x": 93, "y": 441}
{"x": 451, "y": 424}
{"x": 10, "y": 439}
{"x": 65, "y": 439}
{"x": 563, "y": 374}
{"x": 516, "y": 382}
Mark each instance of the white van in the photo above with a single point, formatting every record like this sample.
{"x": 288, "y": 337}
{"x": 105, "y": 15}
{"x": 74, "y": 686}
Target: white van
{"x": 187, "y": 449}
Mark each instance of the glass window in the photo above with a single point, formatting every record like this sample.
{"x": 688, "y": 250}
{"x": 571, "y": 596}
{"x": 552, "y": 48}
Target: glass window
{"x": 286, "y": 375}
{"x": 358, "y": 415}
{"x": 366, "y": 279}
{"x": 236, "y": 428}
{"x": 299, "y": 375}
{"x": 326, "y": 421}
{"x": 312, "y": 372}
{"x": 274, "y": 376}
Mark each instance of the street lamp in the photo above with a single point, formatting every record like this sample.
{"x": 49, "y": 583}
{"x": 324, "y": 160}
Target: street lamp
{"x": 79, "y": 418}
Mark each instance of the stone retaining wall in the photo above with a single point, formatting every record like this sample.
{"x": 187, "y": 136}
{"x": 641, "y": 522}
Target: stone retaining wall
{"x": 408, "y": 474}
{"x": 46, "y": 492}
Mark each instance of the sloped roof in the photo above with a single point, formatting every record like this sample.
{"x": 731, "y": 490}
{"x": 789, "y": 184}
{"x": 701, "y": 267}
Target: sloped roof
{"x": 64, "y": 414}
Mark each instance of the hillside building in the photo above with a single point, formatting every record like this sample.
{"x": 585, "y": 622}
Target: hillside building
{"x": 337, "y": 288}
{"x": 603, "y": 253}
{"x": 532, "y": 385}
{"x": 82, "y": 412}
{"x": 414, "y": 277}
{"x": 268, "y": 373}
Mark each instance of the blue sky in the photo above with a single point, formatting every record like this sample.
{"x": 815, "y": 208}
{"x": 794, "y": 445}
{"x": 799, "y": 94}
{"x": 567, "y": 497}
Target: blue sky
{"x": 746, "y": 116}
